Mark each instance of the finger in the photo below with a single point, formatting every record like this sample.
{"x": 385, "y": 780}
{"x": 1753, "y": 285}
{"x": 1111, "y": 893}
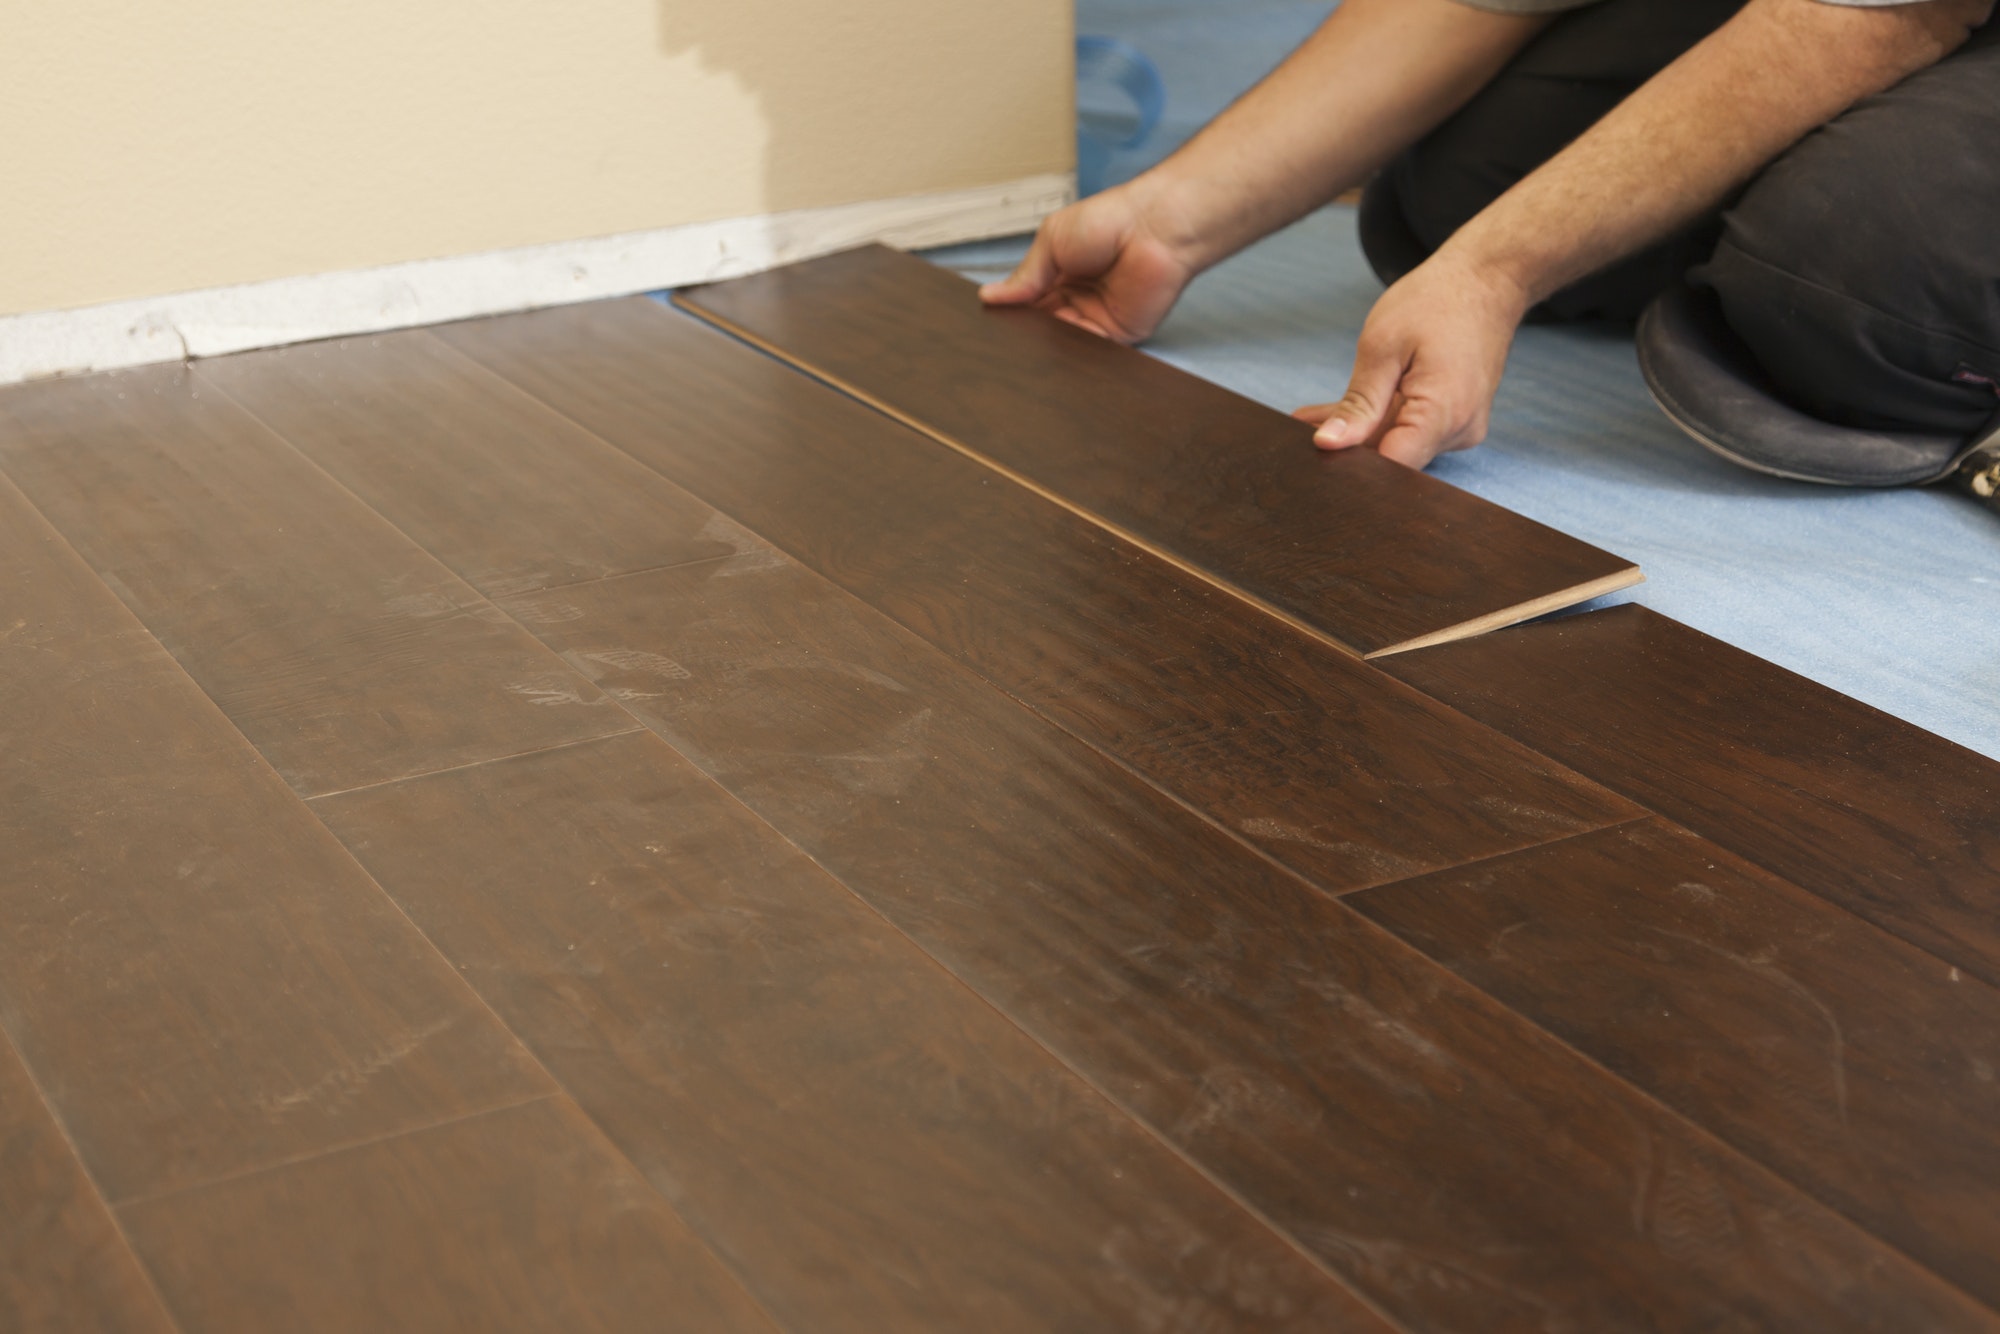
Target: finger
{"x": 1410, "y": 445}
{"x": 1071, "y": 315}
{"x": 1033, "y": 278}
{"x": 1369, "y": 399}
{"x": 1422, "y": 429}
{"x": 1313, "y": 413}
{"x": 1095, "y": 312}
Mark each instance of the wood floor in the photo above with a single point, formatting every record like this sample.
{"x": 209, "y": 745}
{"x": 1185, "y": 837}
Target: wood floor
{"x": 570, "y": 822}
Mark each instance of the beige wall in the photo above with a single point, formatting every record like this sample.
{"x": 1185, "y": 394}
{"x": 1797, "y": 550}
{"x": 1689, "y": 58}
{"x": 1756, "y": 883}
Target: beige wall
{"x": 156, "y": 147}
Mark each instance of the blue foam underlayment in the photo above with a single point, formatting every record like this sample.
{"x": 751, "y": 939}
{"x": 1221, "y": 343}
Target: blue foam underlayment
{"x": 1892, "y": 597}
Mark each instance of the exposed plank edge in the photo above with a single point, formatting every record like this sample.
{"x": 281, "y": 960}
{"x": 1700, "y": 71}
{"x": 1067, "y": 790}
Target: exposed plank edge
{"x": 1505, "y": 616}
{"x": 1524, "y": 611}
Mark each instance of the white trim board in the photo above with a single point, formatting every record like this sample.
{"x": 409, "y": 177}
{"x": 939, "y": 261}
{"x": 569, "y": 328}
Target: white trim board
{"x": 397, "y": 296}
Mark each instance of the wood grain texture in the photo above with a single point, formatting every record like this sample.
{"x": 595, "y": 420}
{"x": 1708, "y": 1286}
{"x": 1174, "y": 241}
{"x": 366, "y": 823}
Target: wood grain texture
{"x": 871, "y": 1144}
{"x": 1883, "y": 818}
{"x": 318, "y": 628}
{"x": 436, "y": 445}
{"x": 1332, "y": 767}
{"x": 1859, "y": 1067}
{"x": 518, "y": 1219}
{"x": 63, "y": 1264}
{"x": 1370, "y": 553}
{"x": 200, "y": 978}
{"x": 1457, "y": 1166}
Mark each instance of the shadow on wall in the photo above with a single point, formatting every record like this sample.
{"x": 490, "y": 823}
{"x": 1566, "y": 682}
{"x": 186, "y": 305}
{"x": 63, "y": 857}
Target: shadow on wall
{"x": 869, "y": 99}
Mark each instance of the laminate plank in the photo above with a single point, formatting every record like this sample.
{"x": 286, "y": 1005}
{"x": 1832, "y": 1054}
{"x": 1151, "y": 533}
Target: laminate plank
{"x": 1897, "y": 825}
{"x": 1458, "y": 1167}
{"x": 63, "y": 1264}
{"x": 518, "y": 1219}
{"x": 1372, "y": 554}
{"x": 318, "y": 628}
{"x": 422, "y": 436}
{"x": 1331, "y": 767}
{"x": 200, "y": 978}
{"x": 1861, "y": 1068}
{"x": 872, "y": 1146}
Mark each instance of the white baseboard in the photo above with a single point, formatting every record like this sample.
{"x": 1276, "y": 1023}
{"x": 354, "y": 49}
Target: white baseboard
{"x": 397, "y": 296}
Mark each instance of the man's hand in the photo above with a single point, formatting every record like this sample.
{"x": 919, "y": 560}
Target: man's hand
{"x": 1105, "y": 264}
{"x": 1428, "y": 364}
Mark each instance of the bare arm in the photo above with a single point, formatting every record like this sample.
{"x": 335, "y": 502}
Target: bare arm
{"x": 1433, "y": 349}
{"x": 1375, "y": 77}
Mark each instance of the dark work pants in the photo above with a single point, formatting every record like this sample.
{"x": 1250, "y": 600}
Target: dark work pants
{"x": 1862, "y": 268}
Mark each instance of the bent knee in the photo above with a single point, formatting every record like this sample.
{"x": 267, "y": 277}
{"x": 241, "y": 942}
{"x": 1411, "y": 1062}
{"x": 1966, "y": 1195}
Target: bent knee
{"x": 1862, "y": 267}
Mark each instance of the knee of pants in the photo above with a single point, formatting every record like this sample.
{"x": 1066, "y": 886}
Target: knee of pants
{"x": 1862, "y": 268}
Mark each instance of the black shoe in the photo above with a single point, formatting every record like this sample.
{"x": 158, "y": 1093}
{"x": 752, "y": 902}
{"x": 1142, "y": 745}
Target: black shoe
{"x": 1703, "y": 377}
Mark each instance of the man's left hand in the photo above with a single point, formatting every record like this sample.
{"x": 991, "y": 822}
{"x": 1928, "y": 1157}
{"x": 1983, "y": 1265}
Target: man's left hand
{"x": 1427, "y": 367}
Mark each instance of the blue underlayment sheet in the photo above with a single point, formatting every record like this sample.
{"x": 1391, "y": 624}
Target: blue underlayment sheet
{"x": 1892, "y": 597}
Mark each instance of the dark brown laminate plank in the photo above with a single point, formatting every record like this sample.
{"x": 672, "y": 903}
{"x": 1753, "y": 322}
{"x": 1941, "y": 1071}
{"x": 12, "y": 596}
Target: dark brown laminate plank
{"x": 421, "y": 435}
{"x": 519, "y": 1219}
{"x": 1457, "y": 1166}
{"x": 871, "y": 1145}
{"x": 319, "y": 629}
{"x": 1335, "y": 769}
{"x": 1862, "y": 1068}
{"x": 200, "y": 978}
{"x": 1885, "y": 819}
{"x": 1373, "y": 555}
{"x": 63, "y": 1264}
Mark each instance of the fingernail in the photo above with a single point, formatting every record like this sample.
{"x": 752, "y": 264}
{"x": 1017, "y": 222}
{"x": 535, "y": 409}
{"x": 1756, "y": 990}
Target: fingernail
{"x": 1332, "y": 433}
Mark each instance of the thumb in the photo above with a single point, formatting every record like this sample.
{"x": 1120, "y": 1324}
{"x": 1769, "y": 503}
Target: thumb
{"x": 1371, "y": 391}
{"x": 1031, "y": 279}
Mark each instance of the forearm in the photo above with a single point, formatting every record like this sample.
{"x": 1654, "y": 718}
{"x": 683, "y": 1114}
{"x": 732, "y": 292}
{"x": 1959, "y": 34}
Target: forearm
{"x": 1375, "y": 77}
{"x": 1696, "y": 132}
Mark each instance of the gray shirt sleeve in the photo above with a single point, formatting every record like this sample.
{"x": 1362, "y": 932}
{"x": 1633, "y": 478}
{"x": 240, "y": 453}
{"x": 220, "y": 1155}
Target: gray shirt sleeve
{"x": 1555, "y": 6}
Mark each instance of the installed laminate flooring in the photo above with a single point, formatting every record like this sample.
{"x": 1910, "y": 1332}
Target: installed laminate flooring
{"x": 725, "y": 853}
{"x": 896, "y": 772}
{"x": 1788, "y": 1025}
{"x": 309, "y": 620}
{"x": 1370, "y": 554}
{"x": 1895, "y": 824}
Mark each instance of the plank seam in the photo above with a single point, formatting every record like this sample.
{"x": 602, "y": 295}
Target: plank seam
{"x": 1019, "y": 479}
{"x": 557, "y": 1087}
{"x": 1976, "y": 970}
{"x": 474, "y": 764}
{"x": 139, "y": 1263}
{"x": 707, "y": 1245}
{"x": 1495, "y": 620}
{"x": 1654, "y": 817}
{"x": 345, "y": 1146}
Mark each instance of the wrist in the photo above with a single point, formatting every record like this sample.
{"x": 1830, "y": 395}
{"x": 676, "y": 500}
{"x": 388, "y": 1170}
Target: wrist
{"x": 1501, "y": 278}
{"x": 1177, "y": 211}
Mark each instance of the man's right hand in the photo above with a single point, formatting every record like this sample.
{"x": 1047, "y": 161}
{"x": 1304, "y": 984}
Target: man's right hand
{"x": 1104, "y": 264}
